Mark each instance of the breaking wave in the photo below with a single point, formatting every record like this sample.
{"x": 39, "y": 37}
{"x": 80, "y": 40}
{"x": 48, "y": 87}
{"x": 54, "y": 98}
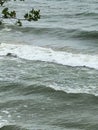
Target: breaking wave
{"x": 29, "y": 52}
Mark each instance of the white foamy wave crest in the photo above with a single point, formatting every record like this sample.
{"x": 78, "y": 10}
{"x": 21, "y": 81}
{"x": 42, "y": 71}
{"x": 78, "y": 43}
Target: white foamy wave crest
{"x": 3, "y": 122}
{"x": 30, "y": 52}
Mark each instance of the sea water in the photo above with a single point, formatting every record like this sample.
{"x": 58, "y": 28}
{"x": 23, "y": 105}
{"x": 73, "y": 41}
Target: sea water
{"x": 49, "y": 68}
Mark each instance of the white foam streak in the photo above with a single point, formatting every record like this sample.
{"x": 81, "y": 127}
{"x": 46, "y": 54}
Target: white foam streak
{"x": 3, "y": 122}
{"x": 30, "y": 52}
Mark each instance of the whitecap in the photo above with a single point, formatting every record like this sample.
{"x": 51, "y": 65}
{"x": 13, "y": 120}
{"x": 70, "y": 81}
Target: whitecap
{"x": 30, "y": 52}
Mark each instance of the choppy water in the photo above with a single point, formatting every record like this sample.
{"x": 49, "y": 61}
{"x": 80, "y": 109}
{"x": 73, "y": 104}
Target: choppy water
{"x": 49, "y": 68}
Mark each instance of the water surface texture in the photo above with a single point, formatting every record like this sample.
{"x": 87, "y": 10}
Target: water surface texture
{"x": 49, "y": 68}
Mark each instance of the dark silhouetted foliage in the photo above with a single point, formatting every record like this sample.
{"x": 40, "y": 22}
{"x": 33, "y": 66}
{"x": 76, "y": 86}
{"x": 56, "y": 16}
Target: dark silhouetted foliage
{"x": 32, "y": 15}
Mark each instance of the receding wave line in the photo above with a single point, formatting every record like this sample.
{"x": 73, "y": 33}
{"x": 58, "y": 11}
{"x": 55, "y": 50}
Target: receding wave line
{"x": 29, "y": 52}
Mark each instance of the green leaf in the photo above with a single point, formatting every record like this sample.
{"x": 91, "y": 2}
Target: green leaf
{"x": 32, "y": 15}
{"x": 26, "y": 16}
{"x": 13, "y": 14}
{"x": 5, "y": 10}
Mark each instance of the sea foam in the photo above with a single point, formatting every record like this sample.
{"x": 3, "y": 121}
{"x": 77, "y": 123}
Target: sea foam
{"x": 30, "y": 52}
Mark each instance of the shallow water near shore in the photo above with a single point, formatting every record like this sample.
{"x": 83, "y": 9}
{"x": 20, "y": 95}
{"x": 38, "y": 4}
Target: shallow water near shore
{"x": 49, "y": 68}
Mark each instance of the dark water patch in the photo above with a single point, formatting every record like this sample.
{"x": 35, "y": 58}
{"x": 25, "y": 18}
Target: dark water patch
{"x": 87, "y": 35}
{"x": 49, "y": 31}
{"x": 74, "y": 15}
{"x": 2, "y": 26}
{"x": 87, "y": 14}
{"x": 77, "y": 125}
{"x": 13, "y": 103}
{"x": 24, "y": 92}
{"x": 34, "y": 89}
{"x": 54, "y": 34}
{"x": 12, "y": 127}
{"x": 45, "y": 105}
{"x": 58, "y": 32}
{"x": 6, "y": 87}
{"x": 92, "y": 126}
